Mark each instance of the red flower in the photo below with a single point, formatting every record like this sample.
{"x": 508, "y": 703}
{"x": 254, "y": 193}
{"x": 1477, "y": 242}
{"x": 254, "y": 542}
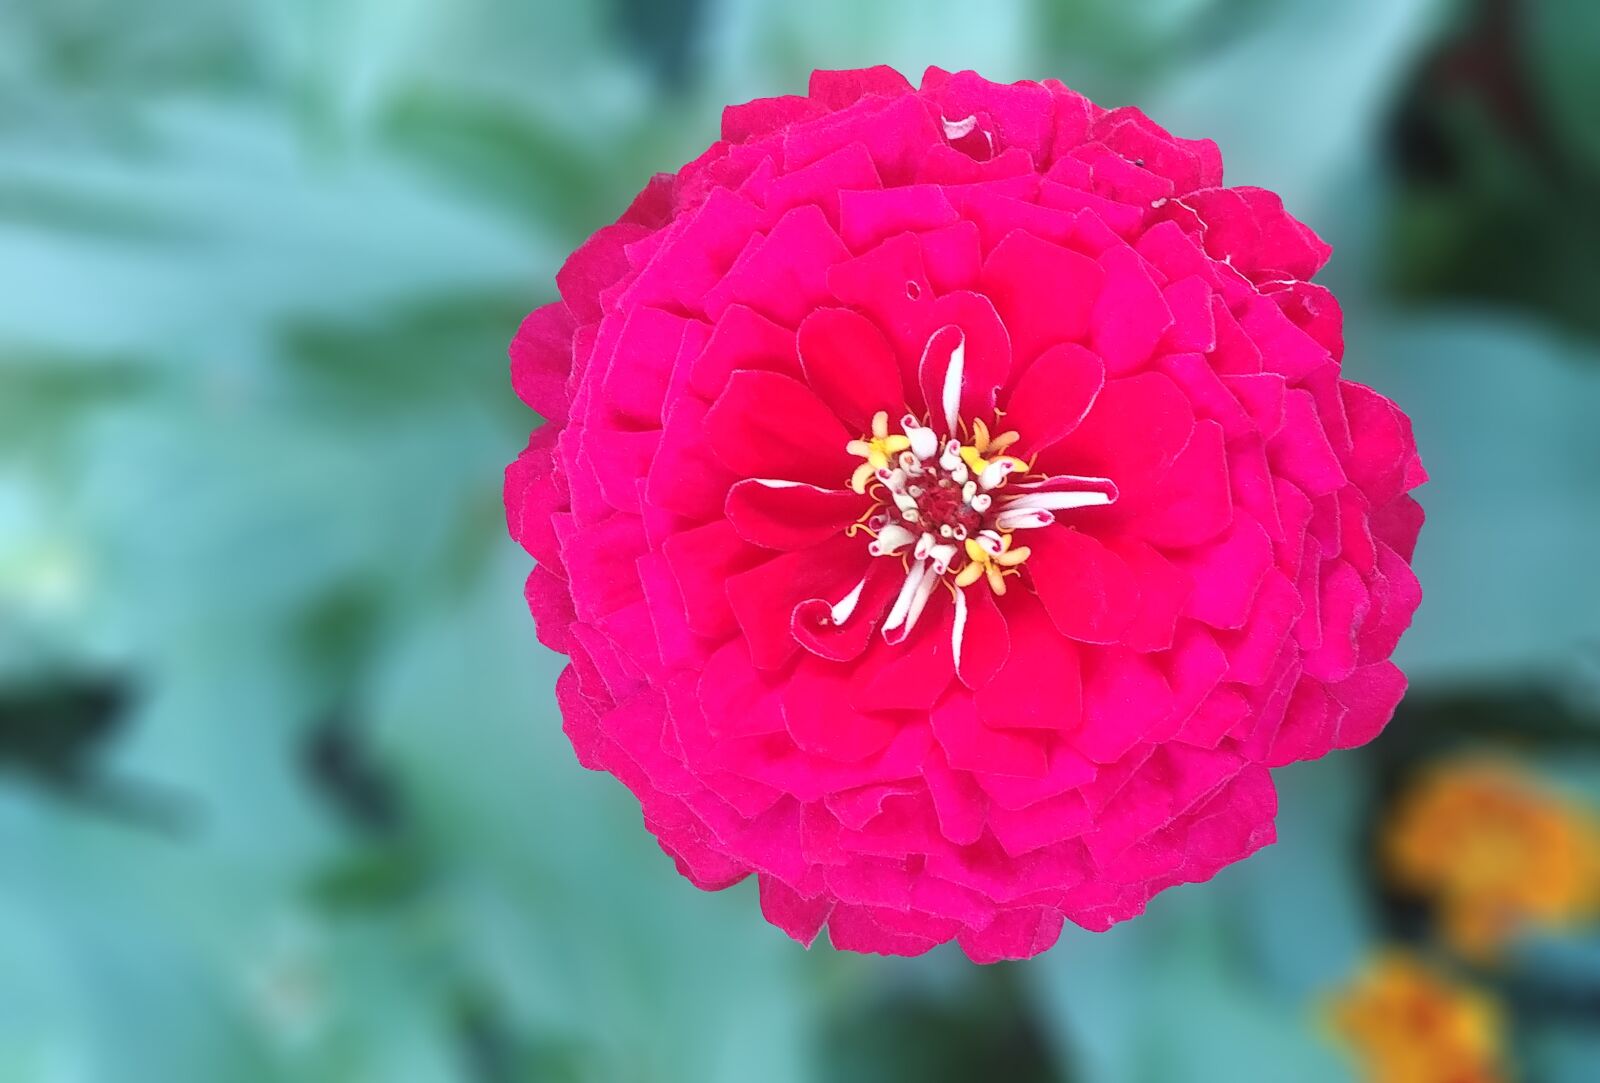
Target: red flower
{"x": 951, "y": 507}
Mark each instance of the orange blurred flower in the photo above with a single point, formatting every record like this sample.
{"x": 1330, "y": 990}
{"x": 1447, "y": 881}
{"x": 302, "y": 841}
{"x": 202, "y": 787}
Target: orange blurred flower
{"x": 1406, "y": 1023}
{"x": 1496, "y": 851}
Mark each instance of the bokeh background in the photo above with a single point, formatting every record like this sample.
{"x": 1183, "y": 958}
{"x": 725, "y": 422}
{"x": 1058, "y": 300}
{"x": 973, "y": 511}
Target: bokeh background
{"x": 283, "y": 793}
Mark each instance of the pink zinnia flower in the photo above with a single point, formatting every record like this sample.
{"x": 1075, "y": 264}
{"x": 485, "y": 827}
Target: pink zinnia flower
{"x": 952, "y": 509}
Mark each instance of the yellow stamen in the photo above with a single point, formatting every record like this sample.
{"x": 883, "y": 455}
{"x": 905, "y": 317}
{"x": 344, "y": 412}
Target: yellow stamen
{"x": 878, "y": 447}
{"x": 862, "y": 476}
{"x": 1010, "y": 558}
{"x": 994, "y": 566}
{"x": 1003, "y": 441}
{"x": 980, "y": 435}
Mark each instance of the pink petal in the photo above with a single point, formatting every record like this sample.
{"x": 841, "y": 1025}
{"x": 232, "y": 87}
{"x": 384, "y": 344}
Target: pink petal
{"x": 597, "y": 263}
{"x": 703, "y": 560}
{"x": 1262, "y": 397}
{"x": 1118, "y": 178}
{"x": 789, "y": 515}
{"x": 1397, "y": 525}
{"x": 736, "y": 700}
{"x": 1054, "y": 395}
{"x": 813, "y": 625}
{"x": 800, "y": 917}
{"x": 751, "y": 120}
{"x": 890, "y": 286}
{"x": 1088, "y": 591}
{"x": 1189, "y": 163}
{"x": 784, "y": 274}
{"x": 1043, "y": 292}
{"x": 550, "y": 602}
{"x": 883, "y": 931}
{"x": 1191, "y": 504}
{"x": 985, "y": 640}
{"x": 541, "y": 361}
{"x": 952, "y": 257}
{"x": 1130, "y": 316}
{"x": 1002, "y": 209}
{"x": 1119, "y": 219}
{"x": 1038, "y": 687}
{"x": 1020, "y": 112}
{"x": 1211, "y": 398}
{"x": 699, "y": 250}
{"x": 1137, "y": 426}
{"x": 743, "y": 339}
{"x": 1252, "y": 651}
{"x": 601, "y": 557}
{"x": 1310, "y": 721}
{"x": 764, "y": 597}
{"x": 894, "y": 131}
{"x": 821, "y": 719}
{"x": 1194, "y": 327}
{"x": 1195, "y": 668}
{"x": 1066, "y": 770}
{"x": 1125, "y": 697}
{"x": 850, "y": 366}
{"x": 678, "y": 644}
{"x": 1051, "y": 821}
{"x": 1274, "y": 245}
{"x": 913, "y": 674}
{"x": 1301, "y": 451}
{"x": 1163, "y": 591}
{"x": 822, "y": 182}
{"x": 973, "y": 747}
{"x": 770, "y": 426}
{"x": 1382, "y": 445}
{"x": 1073, "y": 114}
{"x": 640, "y": 368}
{"x": 1370, "y": 696}
{"x": 961, "y": 806}
{"x": 866, "y": 218}
{"x": 1344, "y": 604}
{"x": 686, "y": 476}
{"x": 1227, "y": 573}
{"x": 968, "y": 323}
{"x": 533, "y": 493}
{"x": 838, "y": 89}
{"x": 1396, "y": 594}
{"x": 1285, "y": 349}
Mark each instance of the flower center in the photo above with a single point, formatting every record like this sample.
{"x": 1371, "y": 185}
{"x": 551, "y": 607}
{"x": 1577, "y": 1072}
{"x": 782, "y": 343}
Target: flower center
{"x": 948, "y": 507}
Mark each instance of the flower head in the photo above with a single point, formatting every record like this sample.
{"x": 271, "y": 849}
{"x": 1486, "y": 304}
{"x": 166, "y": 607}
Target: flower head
{"x": 952, "y": 508}
{"x": 1497, "y": 850}
{"x": 1407, "y": 1023}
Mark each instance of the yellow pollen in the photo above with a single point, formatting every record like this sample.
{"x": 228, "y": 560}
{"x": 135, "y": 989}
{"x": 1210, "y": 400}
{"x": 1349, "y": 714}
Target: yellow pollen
{"x": 985, "y": 444}
{"x": 994, "y": 566}
{"x": 973, "y": 457}
{"x": 878, "y": 447}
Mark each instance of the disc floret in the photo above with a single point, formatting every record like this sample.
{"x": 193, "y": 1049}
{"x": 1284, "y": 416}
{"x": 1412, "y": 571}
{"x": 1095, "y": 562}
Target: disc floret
{"x": 948, "y": 507}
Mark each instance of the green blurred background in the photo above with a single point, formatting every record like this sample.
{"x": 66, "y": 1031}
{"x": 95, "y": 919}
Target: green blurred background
{"x": 283, "y": 793}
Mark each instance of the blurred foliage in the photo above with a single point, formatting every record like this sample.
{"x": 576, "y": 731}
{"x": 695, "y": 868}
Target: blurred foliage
{"x": 1498, "y": 156}
{"x": 283, "y": 793}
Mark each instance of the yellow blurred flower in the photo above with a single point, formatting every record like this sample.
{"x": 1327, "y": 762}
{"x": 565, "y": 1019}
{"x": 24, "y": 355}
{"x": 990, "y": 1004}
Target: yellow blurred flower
{"x": 1496, "y": 851}
{"x": 1406, "y": 1023}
